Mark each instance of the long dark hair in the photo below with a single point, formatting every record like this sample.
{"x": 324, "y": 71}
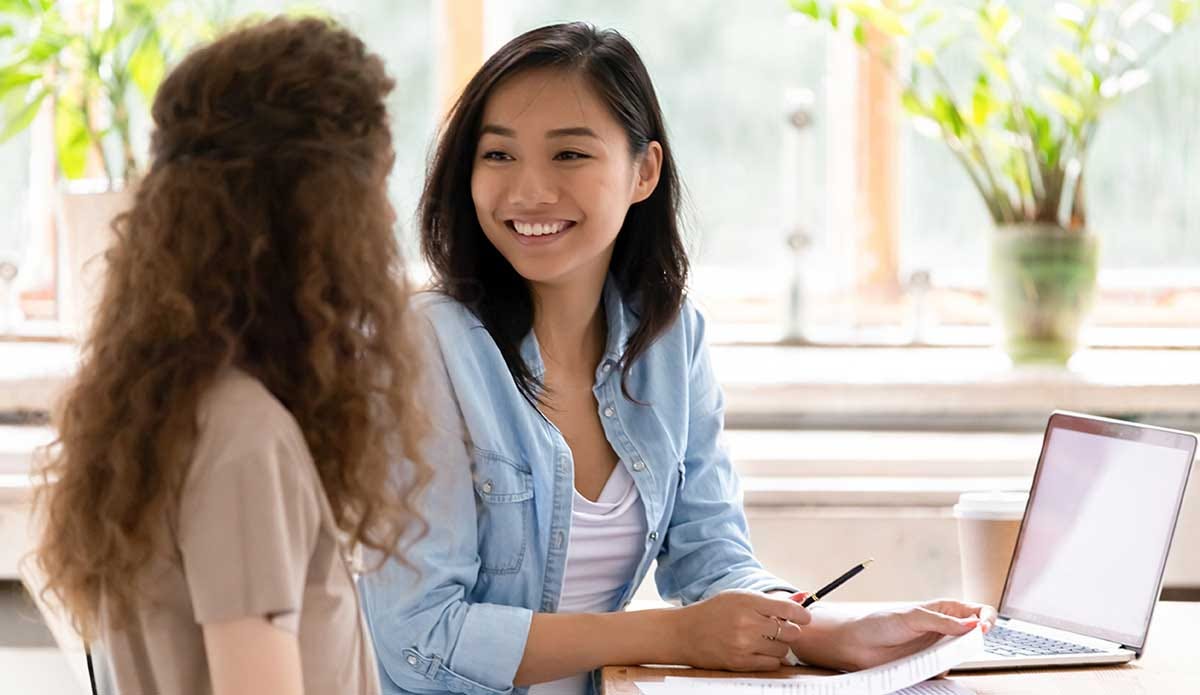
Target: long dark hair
{"x": 649, "y": 262}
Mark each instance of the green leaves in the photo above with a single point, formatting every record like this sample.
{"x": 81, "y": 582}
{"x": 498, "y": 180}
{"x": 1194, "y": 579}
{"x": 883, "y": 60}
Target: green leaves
{"x": 878, "y": 16}
{"x": 807, "y": 7}
{"x": 1182, "y": 11}
{"x": 1020, "y": 131}
{"x": 71, "y": 139}
{"x": 1064, "y": 104}
{"x": 147, "y": 67}
{"x": 23, "y": 116}
{"x": 1069, "y": 63}
{"x": 90, "y": 63}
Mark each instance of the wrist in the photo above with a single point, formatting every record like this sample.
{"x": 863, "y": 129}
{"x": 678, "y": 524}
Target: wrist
{"x": 672, "y": 635}
{"x": 653, "y": 636}
{"x": 830, "y": 640}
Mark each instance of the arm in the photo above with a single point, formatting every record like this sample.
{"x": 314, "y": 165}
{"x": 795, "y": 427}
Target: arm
{"x": 249, "y": 520}
{"x": 707, "y": 546}
{"x": 429, "y": 636}
{"x": 251, "y": 656}
{"x": 842, "y": 639}
{"x": 562, "y": 644}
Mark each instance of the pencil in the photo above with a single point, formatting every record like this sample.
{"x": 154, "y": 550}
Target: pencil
{"x": 820, "y": 594}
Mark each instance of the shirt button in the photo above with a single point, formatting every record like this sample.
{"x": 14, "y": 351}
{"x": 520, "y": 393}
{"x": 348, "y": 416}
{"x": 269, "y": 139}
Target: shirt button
{"x": 487, "y": 487}
{"x": 609, "y": 412}
{"x": 653, "y": 536}
{"x": 606, "y": 367}
{"x": 412, "y": 661}
{"x": 639, "y": 466}
{"x": 558, "y": 539}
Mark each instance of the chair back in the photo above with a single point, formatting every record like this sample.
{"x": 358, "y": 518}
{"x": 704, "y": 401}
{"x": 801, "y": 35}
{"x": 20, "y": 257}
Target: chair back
{"x": 69, "y": 642}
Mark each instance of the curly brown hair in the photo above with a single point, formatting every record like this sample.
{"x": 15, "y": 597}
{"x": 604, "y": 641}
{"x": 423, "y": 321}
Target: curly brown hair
{"x": 261, "y": 238}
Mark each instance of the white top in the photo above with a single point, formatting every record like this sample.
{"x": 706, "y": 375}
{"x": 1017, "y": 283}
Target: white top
{"x": 606, "y": 540}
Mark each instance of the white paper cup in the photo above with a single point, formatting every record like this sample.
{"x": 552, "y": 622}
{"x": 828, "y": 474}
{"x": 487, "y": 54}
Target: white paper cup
{"x": 988, "y": 523}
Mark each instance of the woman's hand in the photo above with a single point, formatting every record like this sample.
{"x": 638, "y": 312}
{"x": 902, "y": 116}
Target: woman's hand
{"x": 891, "y": 634}
{"x": 738, "y": 630}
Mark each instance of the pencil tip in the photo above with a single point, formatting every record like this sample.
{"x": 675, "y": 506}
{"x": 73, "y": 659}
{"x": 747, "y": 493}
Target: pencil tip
{"x": 868, "y": 561}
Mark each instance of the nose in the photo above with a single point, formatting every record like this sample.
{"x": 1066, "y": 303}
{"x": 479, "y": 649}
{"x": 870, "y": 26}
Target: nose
{"x": 532, "y": 185}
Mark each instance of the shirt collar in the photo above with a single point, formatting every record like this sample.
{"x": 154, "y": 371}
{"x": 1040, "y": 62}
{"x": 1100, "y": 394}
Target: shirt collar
{"x": 619, "y": 318}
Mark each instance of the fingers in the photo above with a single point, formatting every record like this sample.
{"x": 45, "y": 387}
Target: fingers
{"x": 922, "y": 619}
{"x": 779, "y": 629}
{"x": 965, "y": 609}
{"x": 776, "y": 650}
{"x": 756, "y": 662}
{"x": 786, "y": 608}
{"x": 790, "y": 632}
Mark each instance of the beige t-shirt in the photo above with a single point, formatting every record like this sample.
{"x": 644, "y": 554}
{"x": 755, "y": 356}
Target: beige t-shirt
{"x": 255, "y": 537}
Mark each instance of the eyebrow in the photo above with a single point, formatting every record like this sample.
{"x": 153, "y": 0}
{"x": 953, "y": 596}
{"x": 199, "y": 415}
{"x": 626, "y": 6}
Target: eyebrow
{"x": 578, "y": 131}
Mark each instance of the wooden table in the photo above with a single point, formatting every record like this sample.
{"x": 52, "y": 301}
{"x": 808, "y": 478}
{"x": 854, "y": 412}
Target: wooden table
{"x": 1171, "y": 666}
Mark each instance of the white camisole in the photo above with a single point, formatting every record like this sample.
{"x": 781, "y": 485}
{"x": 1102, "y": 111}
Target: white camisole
{"x": 606, "y": 542}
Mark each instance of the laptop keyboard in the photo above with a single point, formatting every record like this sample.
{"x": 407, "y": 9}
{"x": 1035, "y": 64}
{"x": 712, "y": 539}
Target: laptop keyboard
{"x": 1005, "y": 642}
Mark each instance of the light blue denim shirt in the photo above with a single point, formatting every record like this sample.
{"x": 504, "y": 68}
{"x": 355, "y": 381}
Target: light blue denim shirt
{"x": 499, "y": 508}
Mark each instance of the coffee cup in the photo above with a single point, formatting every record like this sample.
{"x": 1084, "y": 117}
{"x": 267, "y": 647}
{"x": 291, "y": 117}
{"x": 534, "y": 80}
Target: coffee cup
{"x": 988, "y": 523}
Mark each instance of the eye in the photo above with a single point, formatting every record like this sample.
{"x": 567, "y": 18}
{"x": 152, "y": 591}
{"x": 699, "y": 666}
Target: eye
{"x": 570, "y": 155}
{"x": 496, "y": 156}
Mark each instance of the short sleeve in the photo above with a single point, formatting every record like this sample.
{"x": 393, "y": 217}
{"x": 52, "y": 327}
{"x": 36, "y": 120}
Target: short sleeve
{"x": 249, "y": 521}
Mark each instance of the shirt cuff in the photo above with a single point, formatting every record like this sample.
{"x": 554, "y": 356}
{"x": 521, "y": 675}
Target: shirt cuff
{"x": 491, "y": 644}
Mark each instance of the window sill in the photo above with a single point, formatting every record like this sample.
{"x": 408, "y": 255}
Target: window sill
{"x": 792, "y": 387}
{"x": 951, "y": 388}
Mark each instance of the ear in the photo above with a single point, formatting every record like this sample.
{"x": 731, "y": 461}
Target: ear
{"x": 648, "y": 169}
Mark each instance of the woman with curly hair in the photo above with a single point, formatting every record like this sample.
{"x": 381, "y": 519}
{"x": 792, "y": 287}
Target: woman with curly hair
{"x": 247, "y": 386}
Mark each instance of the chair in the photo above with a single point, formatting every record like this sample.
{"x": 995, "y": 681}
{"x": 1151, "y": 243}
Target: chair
{"x": 69, "y": 642}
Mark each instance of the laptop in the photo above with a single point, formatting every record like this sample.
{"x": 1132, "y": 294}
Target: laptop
{"x": 1089, "y": 560}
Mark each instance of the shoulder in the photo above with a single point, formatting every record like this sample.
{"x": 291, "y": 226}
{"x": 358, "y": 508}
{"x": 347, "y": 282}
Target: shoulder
{"x": 442, "y": 312}
{"x": 239, "y": 422}
{"x": 684, "y": 337}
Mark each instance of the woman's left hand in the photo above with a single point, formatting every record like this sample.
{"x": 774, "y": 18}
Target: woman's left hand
{"x": 894, "y": 633}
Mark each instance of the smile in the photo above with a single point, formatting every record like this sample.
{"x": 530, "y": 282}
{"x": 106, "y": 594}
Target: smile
{"x": 528, "y": 232}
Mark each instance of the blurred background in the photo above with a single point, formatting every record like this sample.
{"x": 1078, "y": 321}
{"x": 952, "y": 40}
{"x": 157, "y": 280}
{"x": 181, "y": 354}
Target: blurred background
{"x": 849, "y": 170}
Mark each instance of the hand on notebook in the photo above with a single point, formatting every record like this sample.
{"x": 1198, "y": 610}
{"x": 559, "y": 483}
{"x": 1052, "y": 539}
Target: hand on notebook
{"x": 738, "y": 631}
{"x": 890, "y": 634}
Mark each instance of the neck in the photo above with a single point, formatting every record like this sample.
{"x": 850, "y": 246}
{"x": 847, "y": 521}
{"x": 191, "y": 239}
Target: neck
{"x": 569, "y": 322}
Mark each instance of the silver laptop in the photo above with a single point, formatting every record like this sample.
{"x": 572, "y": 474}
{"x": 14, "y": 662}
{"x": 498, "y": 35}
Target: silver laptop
{"x": 1088, "y": 565}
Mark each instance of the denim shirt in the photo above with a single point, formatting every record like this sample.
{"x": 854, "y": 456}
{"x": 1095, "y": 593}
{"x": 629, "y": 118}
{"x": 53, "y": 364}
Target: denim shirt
{"x": 457, "y": 617}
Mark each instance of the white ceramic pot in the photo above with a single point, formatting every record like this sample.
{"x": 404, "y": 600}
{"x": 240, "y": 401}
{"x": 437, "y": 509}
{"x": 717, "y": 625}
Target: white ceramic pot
{"x": 85, "y": 211}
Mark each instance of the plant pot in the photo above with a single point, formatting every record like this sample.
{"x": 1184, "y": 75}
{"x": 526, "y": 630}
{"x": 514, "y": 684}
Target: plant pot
{"x": 1043, "y": 281}
{"x": 85, "y": 211}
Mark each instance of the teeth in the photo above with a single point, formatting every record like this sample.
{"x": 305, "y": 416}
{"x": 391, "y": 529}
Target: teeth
{"x": 529, "y": 229}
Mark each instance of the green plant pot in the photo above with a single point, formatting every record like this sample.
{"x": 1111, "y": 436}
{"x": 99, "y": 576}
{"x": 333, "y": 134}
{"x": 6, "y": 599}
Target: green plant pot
{"x": 1043, "y": 280}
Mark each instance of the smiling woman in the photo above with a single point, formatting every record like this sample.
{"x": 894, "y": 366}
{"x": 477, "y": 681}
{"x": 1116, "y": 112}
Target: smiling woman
{"x": 551, "y": 198}
{"x": 544, "y": 135}
{"x": 559, "y": 482}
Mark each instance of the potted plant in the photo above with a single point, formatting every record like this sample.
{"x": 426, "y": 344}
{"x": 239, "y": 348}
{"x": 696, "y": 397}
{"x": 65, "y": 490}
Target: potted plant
{"x": 1021, "y": 136}
{"x": 95, "y": 64}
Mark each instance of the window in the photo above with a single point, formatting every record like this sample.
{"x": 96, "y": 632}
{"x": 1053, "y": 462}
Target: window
{"x": 1141, "y": 180}
{"x": 400, "y": 31}
{"x": 779, "y": 126}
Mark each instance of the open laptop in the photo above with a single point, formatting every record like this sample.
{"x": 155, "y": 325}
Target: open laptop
{"x": 1088, "y": 565}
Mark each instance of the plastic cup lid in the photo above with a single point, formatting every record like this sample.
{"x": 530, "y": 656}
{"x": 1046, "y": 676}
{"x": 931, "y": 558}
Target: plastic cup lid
{"x": 1000, "y": 505}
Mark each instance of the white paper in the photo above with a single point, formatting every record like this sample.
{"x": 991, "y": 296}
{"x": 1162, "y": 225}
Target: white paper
{"x": 937, "y": 687}
{"x": 900, "y": 676}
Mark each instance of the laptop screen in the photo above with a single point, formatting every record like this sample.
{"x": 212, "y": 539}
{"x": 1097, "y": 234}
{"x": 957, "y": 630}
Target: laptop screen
{"x": 1101, "y": 514}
